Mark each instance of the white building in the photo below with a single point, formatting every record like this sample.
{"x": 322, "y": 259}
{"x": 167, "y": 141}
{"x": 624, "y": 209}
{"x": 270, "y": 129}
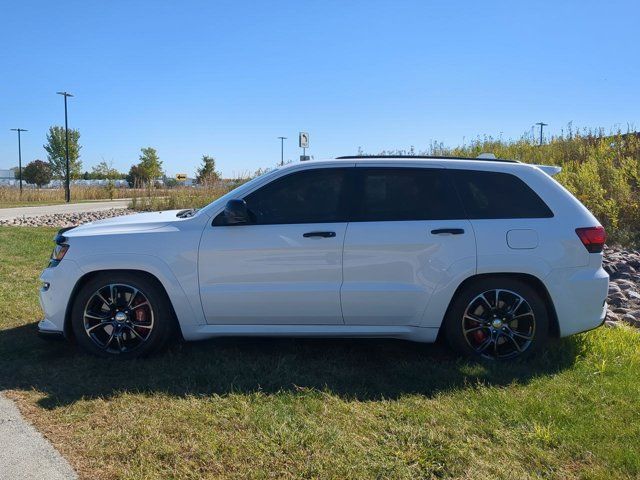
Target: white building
{"x": 7, "y": 177}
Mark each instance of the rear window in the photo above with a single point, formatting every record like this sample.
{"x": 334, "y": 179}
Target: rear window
{"x": 497, "y": 195}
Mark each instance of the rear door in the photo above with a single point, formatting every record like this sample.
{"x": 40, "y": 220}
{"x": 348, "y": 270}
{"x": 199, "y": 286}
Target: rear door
{"x": 408, "y": 236}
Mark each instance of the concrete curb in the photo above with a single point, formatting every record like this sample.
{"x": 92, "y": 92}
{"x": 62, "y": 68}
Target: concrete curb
{"x": 24, "y": 452}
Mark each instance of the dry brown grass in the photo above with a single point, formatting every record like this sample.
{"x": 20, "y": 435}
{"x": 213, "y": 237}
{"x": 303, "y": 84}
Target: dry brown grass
{"x": 10, "y": 196}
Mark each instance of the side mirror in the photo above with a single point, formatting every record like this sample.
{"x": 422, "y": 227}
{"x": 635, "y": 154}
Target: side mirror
{"x": 235, "y": 212}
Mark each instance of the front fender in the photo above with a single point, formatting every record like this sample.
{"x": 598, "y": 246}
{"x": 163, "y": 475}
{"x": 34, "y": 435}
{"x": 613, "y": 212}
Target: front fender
{"x": 184, "y": 296}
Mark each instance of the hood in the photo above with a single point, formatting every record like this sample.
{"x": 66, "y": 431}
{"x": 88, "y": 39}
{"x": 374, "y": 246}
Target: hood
{"x": 138, "y": 222}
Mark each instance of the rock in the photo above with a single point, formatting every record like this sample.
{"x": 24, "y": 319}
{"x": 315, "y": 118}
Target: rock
{"x": 65, "y": 219}
{"x": 633, "y": 295}
{"x": 631, "y": 320}
{"x": 617, "y": 300}
{"x": 613, "y": 316}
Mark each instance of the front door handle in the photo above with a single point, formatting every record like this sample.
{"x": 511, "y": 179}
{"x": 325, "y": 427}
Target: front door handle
{"x": 319, "y": 234}
{"x": 452, "y": 231}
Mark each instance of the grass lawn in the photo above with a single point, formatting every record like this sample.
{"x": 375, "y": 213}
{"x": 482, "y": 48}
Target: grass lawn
{"x": 319, "y": 409}
{"x": 35, "y": 203}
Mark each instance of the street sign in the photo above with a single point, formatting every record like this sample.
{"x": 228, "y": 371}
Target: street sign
{"x": 303, "y": 139}
{"x": 304, "y": 158}
{"x": 181, "y": 177}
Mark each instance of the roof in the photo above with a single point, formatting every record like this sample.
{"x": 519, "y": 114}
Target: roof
{"x": 480, "y": 158}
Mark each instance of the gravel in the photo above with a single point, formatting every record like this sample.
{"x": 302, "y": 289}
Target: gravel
{"x": 65, "y": 219}
{"x": 622, "y": 265}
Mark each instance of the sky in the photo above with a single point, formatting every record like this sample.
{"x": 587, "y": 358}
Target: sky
{"x": 226, "y": 78}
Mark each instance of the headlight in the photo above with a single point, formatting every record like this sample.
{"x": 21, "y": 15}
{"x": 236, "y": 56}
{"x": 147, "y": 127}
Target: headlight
{"x": 59, "y": 251}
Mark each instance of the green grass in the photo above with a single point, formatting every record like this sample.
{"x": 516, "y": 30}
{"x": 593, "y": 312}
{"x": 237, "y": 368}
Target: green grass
{"x": 319, "y": 409}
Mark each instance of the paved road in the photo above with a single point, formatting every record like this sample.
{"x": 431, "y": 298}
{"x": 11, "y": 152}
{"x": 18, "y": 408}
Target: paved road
{"x": 24, "y": 452}
{"x": 15, "y": 212}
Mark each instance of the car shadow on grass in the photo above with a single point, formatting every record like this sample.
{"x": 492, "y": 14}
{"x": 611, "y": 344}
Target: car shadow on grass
{"x": 364, "y": 370}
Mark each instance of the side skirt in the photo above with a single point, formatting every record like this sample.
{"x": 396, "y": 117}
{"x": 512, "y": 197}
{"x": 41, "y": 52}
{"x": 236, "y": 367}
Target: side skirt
{"x": 416, "y": 334}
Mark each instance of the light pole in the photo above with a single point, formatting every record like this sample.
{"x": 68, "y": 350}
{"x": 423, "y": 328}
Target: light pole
{"x": 282, "y": 139}
{"x": 19, "y": 156}
{"x": 66, "y": 139}
{"x": 541, "y": 126}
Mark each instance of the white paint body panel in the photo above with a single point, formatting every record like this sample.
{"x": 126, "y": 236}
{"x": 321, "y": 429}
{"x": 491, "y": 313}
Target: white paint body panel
{"x": 373, "y": 279}
{"x": 271, "y": 274}
{"x": 392, "y": 269}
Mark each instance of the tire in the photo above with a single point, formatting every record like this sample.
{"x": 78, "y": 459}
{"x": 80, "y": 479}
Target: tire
{"x": 516, "y": 327}
{"x": 138, "y": 323}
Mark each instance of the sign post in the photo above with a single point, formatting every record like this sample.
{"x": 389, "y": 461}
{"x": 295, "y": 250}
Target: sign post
{"x": 303, "y": 141}
{"x": 181, "y": 177}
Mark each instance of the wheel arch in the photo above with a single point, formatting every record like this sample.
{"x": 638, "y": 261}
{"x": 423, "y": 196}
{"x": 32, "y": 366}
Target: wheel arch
{"x": 531, "y": 280}
{"x": 68, "y": 331}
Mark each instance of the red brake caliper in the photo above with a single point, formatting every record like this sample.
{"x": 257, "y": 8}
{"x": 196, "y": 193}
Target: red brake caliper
{"x": 479, "y": 336}
{"x": 141, "y": 317}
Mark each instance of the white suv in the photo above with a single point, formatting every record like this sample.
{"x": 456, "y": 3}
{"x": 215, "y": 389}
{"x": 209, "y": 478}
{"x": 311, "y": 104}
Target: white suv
{"x": 493, "y": 255}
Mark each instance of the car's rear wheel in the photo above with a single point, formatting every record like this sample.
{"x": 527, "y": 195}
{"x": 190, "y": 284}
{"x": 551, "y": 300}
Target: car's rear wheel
{"x": 497, "y": 318}
{"x": 121, "y": 315}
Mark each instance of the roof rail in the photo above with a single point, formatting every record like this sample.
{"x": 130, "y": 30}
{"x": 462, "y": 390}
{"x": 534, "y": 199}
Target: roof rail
{"x": 434, "y": 157}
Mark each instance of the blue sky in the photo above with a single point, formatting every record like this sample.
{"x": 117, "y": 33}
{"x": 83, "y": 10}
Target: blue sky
{"x": 225, "y": 78}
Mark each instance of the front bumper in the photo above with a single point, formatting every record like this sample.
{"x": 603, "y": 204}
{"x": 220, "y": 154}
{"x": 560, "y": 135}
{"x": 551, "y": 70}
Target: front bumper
{"x": 48, "y": 331}
{"x": 57, "y": 286}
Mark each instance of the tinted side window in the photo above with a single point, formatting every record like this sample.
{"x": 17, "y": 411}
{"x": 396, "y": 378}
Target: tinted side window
{"x": 311, "y": 196}
{"x": 498, "y": 195}
{"x": 391, "y": 194}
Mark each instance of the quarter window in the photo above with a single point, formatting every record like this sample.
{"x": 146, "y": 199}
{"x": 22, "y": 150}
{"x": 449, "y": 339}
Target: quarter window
{"x": 490, "y": 195}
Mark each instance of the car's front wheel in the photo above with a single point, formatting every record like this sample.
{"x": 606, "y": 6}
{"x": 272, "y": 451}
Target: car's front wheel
{"x": 121, "y": 315}
{"x": 497, "y": 318}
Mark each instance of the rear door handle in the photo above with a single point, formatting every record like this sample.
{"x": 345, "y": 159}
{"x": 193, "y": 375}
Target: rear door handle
{"x": 319, "y": 234}
{"x": 452, "y": 231}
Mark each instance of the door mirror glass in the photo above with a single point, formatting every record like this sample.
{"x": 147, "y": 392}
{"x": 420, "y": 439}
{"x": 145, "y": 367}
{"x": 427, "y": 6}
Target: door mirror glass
{"x": 235, "y": 212}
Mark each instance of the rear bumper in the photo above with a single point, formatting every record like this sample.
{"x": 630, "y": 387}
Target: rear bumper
{"x": 579, "y": 297}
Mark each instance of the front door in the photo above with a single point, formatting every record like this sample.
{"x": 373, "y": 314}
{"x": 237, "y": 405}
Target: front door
{"x": 409, "y": 235}
{"x": 285, "y": 267}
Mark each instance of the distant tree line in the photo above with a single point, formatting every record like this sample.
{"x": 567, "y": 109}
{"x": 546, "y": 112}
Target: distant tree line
{"x": 147, "y": 172}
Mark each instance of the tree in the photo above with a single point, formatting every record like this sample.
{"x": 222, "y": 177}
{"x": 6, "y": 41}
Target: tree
{"x": 207, "y": 173}
{"x": 56, "y": 153}
{"x": 150, "y": 166}
{"x": 38, "y": 172}
{"x": 104, "y": 171}
{"x": 135, "y": 177}
{"x": 170, "y": 182}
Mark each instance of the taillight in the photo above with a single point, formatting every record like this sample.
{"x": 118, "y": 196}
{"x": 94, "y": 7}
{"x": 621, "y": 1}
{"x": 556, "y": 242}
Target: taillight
{"x": 592, "y": 238}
